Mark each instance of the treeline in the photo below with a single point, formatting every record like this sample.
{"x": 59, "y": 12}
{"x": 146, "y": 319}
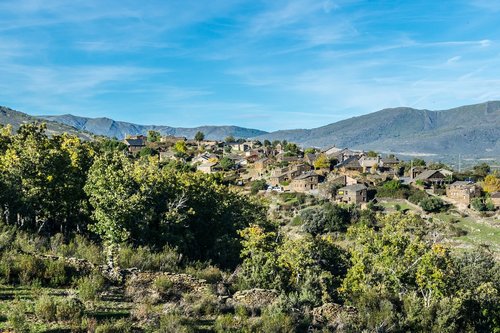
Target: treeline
{"x": 60, "y": 184}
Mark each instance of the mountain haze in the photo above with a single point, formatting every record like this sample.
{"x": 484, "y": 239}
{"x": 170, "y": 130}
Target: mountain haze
{"x": 120, "y": 129}
{"x": 472, "y": 129}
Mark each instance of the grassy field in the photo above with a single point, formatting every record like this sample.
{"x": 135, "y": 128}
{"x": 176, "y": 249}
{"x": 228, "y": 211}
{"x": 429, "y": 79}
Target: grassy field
{"x": 478, "y": 233}
{"x": 109, "y": 307}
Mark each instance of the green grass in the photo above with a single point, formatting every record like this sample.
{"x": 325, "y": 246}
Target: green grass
{"x": 477, "y": 233}
{"x": 391, "y": 205}
{"x": 109, "y": 308}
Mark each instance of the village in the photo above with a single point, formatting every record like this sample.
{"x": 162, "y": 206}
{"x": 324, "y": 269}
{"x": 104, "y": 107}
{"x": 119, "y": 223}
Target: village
{"x": 336, "y": 174}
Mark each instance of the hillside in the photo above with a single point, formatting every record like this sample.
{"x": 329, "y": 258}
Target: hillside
{"x": 16, "y": 118}
{"x": 472, "y": 130}
{"x": 120, "y": 129}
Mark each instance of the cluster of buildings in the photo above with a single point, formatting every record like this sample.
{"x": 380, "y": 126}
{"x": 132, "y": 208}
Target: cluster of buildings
{"x": 346, "y": 176}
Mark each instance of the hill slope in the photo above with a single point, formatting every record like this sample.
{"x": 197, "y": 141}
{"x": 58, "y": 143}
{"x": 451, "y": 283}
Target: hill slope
{"x": 120, "y": 129}
{"x": 16, "y": 118}
{"x": 472, "y": 129}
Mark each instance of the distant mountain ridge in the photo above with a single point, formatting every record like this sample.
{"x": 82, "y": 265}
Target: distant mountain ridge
{"x": 471, "y": 129}
{"x": 16, "y": 119}
{"x": 120, "y": 129}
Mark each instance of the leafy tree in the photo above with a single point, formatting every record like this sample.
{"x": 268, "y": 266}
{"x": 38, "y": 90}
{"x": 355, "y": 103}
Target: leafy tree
{"x": 491, "y": 184}
{"x": 258, "y": 185}
{"x": 322, "y": 162}
{"x": 147, "y": 151}
{"x": 310, "y": 151}
{"x": 267, "y": 143}
{"x": 291, "y": 149}
{"x": 116, "y": 199}
{"x": 481, "y": 170}
{"x": 199, "y": 136}
{"x": 372, "y": 153}
{"x": 229, "y": 139}
{"x": 153, "y": 136}
{"x": 327, "y": 218}
{"x": 226, "y": 163}
{"x": 432, "y": 204}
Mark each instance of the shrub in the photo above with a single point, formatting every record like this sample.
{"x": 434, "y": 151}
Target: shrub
{"x": 258, "y": 185}
{"x": 163, "y": 284}
{"x": 417, "y": 197}
{"x": 55, "y": 273}
{"x": 90, "y": 287}
{"x": 69, "y": 309}
{"x": 173, "y": 323}
{"x": 16, "y": 317}
{"x": 432, "y": 204}
{"x": 45, "y": 308}
{"x": 211, "y": 274}
{"x": 144, "y": 259}
{"x": 29, "y": 268}
{"x": 201, "y": 304}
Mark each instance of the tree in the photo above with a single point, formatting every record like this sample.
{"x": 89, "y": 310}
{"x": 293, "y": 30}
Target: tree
{"x": 322, "y": 162}
{"x": 199, "y": 136}
{"x": 432, "y": 204}
{"x": 372, "y": 153}
{"x": 491, "y": 184}
{"x": 180, "y": 147}
{"x": 153, "y": 136}
{"x": 481, "y": 170}
{"x": 258, "y": 185}
{"x": 229, "y": 139}
{"x": 267, "y": 143}
{"x": 116, "y": 200}
{"x": 310, "y": 151}
{"x": 226, "y": 163}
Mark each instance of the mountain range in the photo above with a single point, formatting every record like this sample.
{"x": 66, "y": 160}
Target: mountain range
{"x": 120, "y": 129}
{"x": 472, "y": 130}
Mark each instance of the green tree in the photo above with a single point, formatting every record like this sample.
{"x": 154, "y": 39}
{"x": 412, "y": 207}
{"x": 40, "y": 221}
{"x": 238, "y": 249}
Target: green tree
{"x": 199, "y": 136}
{"x": 322, "y": 162}
{"x": 432, "y": 204}
{"x": 226, "y": 163}
{"x": 229, "y": 139}
{"x": 372, "y": 153}
{"x": 153, "y": 136}
{"x": 116, "y": 199}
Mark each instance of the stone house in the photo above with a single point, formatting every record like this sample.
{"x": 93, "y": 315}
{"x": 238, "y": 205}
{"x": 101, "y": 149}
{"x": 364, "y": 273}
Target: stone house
{"x": 462, "y": 192}
{"x": 135, "y": 144}
{"x": 208, "y": 167}
{"x": 352, "y": 194}
{"x": 495, "y": 198}
{"x": 305, "y": 182}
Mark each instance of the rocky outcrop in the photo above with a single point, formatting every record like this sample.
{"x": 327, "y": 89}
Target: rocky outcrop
{"x": 332, "y": 315}
{"x": 254, "y": 298}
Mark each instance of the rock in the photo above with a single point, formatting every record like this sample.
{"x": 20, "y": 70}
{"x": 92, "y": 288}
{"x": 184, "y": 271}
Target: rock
{"x": 331, "y": 315}
{"x": 254, "y": 298}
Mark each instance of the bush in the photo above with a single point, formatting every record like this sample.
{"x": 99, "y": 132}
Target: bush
{"x": 417, "y": 197}
{"x": 90, "y": 287}
{"x": 45, "y": 308}
{"x": 144, "y": 259}
{"x": 55, "y": 273}
{"x": 69, "y": 309}
{"x": 29, "y": 268}
{"x": 201, "y": 304}
{"x": 432, "y": 204}
{"x": 16, "y": 317}
{"x": 172, "y": 323}
{"x": 211, "y": 274}
{"x": 119, "y": 326}
{"x": 258, "y": 185}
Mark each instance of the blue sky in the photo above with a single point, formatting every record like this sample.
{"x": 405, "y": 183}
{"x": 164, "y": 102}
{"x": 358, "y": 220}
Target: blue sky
{"x": 262, "y": 64}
